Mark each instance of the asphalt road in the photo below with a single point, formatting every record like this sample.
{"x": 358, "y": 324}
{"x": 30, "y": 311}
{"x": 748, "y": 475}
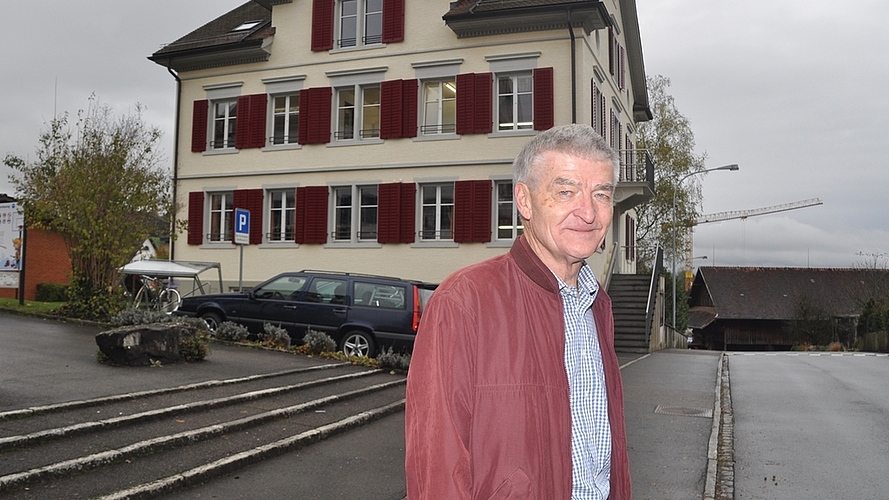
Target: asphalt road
{"x": 810, "y": 426}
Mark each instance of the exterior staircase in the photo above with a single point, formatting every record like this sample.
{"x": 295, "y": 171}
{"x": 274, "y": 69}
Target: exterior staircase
{"x": 629, "y": 297}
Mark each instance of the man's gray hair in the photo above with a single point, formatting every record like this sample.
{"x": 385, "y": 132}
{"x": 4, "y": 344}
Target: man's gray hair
{"x": 576, "y": 140}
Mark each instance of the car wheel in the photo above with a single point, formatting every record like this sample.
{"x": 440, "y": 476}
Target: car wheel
{"x": 213, "y": 321}
{"x": 357, "y": 343}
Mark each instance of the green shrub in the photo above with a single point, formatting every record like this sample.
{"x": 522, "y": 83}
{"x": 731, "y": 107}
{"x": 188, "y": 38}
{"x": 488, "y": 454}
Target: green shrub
{"x": 232, "y": 332}
{"x": 51, "y": 292}
{"x": 319, "y": 342}
{"x": 194, "y": 348}
{"x": 139, "y": 316}
{"x": 274, "y": 336}
{"x": 393, "y": 360}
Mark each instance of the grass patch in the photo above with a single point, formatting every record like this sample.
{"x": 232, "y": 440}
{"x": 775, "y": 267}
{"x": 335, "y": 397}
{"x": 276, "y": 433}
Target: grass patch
{"x": 30, "y": 306}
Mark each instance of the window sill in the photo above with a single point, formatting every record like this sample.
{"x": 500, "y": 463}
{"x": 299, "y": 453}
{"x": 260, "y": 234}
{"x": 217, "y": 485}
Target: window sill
{"x": 353, "y": 244}
{"x": 501, "y": 244}
{"x": 278, "y": 244}
{"x": 436, "y": 137}
{"x": 357, "y": 48}
{"x": 223, "y": 151}
{"x": 218, "y": 245}
{"x": 354, "y": 142}
{"x": 282, "y": 147}
{"x": 513, "y": 133}
{"x": 435, "y": 244}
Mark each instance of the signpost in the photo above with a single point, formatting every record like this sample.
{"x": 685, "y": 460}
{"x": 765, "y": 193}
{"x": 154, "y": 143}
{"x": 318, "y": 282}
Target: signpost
{"x": 242, "y": 238}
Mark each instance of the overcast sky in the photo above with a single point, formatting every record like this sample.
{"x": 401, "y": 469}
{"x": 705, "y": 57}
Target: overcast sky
{"x": 793, "y": 91}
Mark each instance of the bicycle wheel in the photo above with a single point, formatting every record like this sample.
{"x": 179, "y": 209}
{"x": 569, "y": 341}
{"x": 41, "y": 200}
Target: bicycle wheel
{"x": 169, "y": 300}
{"x": 143, "y": 298}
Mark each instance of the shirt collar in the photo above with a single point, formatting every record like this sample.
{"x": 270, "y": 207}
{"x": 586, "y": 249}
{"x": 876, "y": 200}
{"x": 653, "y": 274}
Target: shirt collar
{"x": 586, "y": 282}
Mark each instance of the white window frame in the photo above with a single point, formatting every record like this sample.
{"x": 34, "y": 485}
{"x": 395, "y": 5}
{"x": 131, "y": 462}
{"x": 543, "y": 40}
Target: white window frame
{"x": 515, "y": 96}
{"x": 367, "y": 18}
{"x": 438, "y": 207}
{"x": 505, "y": 194}
{"x": 228, "y": 122}
{"x": 369, "y": 97}
{"x": 286, "y": 213}
{"x": 435, "y": 108}
{"x": 220, "y": 219}
{"x": 290, "y": 123}
{"x": 353, "y": 215}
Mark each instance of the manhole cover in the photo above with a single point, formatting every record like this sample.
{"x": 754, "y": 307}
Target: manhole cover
{"x": 684, "y": 411}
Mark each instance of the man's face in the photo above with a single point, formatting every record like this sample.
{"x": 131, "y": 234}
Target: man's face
{"x": 569, "y": 210}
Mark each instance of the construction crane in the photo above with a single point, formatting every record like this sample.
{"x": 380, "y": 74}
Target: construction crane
{"x": 735, "y": 214}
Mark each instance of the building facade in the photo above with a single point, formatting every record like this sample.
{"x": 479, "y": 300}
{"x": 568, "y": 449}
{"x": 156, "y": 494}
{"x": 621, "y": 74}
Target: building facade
{"x": 377, "y": 136}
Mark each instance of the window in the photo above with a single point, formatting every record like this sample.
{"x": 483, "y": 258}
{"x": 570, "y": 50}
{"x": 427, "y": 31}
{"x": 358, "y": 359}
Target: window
{"x": 282, "y": 212}
{"x": 515, "y": 102}
{"x": 358, "y": 118}
{"x": 224, "y": 124}
{"x": 283, "y": 288}
{"x": 221, "y": 213}
{"x": 327, "y": 291}
{"x": 285, "y": 128}
{"x": 437, "y": 212}
{"x": 349, "y": 215}
{"x": 360, "y": 22}
{"x": 440, "y": 107}
{"x": 509, "y": 223}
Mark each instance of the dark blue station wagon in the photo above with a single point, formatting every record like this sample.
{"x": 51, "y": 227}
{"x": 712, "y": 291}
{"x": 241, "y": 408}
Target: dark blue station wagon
{"x": 362, "y": 313}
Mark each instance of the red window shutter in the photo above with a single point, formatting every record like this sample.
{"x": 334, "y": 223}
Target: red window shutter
{"x": 621, "y": 80}
{"x": 314, "y": 116}
{"x": 311, "y": 214}
{"x": 242, "y": 125}
{"x": 543, "y": 99}
{"x": 322, "y": 24}
{"x": 484, "y": 103}
{"x": 250, "y": 127}
{"x": 611, "y": 54}
{"x": 465, "y": 103}
{"x": 258, "y": 109}
{"x": 391, "y": 109}
{"x": 251, "y": 199}
{"x": 409, "y": 94}
{"x": 195, "y": 218}
{"x": 199, "y": 126}
{"x": 408, "y": 219}
{"x": 397, "y": 209}
{"x": 393, "y": 21}
{"x": 472, "y": 211}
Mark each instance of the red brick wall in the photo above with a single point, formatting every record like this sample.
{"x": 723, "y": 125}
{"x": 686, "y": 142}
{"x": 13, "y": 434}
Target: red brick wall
{"x": 46, "y": 261}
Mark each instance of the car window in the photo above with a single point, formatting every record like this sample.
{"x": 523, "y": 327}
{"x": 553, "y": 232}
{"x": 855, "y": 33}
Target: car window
{"x": 327, "y": 291}
{"x": 378, "y": 295}
{"x": 283, "y": 288}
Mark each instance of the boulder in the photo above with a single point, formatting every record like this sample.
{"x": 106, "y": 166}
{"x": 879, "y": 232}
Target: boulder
{"x": 142, "y": 345}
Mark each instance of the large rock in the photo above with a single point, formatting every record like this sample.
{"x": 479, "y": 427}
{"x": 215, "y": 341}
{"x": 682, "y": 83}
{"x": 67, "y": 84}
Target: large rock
{"x": 142, "y": 345}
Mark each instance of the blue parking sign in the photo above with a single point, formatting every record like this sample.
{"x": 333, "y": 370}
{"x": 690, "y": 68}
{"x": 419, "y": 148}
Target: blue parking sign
{"x": 242, "y": 226}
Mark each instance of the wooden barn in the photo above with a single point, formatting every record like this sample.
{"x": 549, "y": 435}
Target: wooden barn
{"x": 775, "y": 308}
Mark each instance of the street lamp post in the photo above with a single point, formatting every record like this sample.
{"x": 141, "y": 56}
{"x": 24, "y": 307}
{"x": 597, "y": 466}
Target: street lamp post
{"x": 675, "y": 224}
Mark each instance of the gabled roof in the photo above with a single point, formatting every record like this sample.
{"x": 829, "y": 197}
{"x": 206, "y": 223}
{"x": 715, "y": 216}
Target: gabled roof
{"x": 468, "y": 18}
{"x": 774, "y": 293}
{"x": 218, "y": 44}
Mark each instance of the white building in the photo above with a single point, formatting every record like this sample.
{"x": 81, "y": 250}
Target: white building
{"x": 377, "y": 136}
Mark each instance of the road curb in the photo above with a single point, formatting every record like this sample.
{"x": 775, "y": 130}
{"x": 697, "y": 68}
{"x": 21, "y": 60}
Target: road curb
{"x": 713, "y": 444}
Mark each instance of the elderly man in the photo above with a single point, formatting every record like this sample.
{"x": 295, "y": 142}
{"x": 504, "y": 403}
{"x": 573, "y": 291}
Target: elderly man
{"x": 514, "y": 389}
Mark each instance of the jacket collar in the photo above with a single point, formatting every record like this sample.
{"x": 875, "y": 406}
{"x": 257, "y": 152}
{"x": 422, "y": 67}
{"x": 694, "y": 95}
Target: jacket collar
{"x": 532, "y": 266}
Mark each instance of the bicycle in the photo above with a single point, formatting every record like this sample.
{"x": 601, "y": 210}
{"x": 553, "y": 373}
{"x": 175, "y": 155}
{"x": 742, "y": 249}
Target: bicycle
{"x": 155, "y": 294}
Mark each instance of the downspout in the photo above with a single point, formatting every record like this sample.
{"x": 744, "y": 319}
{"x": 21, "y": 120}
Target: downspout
{"x": 573, "y": 71}
{"x": 175, "y": 160}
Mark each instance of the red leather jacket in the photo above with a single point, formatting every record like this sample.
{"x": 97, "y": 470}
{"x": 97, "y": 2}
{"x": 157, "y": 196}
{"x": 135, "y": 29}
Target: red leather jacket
{"x": 488, "y": 413}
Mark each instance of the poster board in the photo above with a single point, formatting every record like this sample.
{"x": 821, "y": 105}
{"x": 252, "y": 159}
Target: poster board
{"x": 11, "y": 225}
